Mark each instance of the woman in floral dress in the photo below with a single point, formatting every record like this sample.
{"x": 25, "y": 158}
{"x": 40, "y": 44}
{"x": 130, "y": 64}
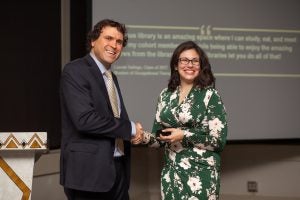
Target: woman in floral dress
{"x": 192, "y": 111}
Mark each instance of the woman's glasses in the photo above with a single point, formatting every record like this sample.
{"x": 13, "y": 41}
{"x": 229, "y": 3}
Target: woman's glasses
{"x": 186, "y": 61}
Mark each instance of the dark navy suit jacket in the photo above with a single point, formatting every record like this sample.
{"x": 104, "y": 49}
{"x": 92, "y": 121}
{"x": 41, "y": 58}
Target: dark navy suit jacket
{"x": 89, "y": 129}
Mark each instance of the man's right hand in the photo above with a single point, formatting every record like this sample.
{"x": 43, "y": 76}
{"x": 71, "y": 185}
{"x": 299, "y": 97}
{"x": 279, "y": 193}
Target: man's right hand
{"x": 137, "y": 139}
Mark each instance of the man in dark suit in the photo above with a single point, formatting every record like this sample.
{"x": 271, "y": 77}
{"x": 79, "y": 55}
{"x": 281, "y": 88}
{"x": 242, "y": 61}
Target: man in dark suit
{"x": 93, "y": 164}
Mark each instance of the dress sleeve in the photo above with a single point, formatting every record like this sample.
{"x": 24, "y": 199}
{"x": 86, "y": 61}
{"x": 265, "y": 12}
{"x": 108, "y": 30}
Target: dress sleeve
{"x": 149, "y": 138}
{"x": 212, "y": 132}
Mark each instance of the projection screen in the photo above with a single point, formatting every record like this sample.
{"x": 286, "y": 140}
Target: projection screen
{"x": 253, "y": 47}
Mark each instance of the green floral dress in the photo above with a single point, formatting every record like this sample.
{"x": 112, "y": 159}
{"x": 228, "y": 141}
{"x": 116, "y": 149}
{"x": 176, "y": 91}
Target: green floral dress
{"x": 192, "y": 166}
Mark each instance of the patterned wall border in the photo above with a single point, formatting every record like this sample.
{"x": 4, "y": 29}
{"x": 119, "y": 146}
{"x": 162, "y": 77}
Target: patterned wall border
{"x": 23, "y": 141}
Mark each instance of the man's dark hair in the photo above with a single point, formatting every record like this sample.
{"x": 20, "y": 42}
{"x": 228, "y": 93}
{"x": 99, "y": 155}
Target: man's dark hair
{"x": 97, "y": 30}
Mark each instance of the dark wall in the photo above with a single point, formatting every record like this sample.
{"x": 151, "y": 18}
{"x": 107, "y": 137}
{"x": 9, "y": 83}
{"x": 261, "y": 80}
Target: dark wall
{"x": 81, "y": 20}
{"x": 30, "y": 67}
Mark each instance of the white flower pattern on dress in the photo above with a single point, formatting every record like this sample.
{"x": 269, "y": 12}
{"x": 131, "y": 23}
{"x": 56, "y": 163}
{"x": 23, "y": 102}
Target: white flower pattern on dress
{"x": 188, "y": 134}
{"x": 212, "y": 197}
{"x": 199, "y": 151}
{"x": 207, "y": 97}
{"x": 192, "y": 165}
{"x": 159, "y": 108}
{"x": 173, "y": 96}
{"x": 193, "y": 198}
{"x": 185, "y": 115}
{"x": 172, "y": 155}
{"x": 194, "y": 183}
{"x": 167, "y": 177}
{"x": 176, "y": 146}
{"x": 185, "y": 163}
{"x": 215, "y": 126}
{"x": 211, "y": 161}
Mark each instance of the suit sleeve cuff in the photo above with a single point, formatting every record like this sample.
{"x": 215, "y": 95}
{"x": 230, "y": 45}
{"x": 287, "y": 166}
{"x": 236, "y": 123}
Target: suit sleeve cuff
{"x": 133, "y": 129}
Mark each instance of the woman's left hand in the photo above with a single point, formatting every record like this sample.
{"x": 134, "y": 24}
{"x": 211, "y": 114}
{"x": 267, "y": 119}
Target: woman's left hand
{"x": 175, "y": 136}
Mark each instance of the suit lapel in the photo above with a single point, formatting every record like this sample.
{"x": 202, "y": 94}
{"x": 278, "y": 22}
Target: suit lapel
{"x": 96, "y": 73}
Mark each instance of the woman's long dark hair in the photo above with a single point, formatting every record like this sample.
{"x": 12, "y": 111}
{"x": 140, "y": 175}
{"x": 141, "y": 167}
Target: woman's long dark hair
{"x": 205, "y": 78}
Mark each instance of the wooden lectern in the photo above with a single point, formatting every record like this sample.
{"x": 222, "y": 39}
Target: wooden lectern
{"x": 18, "y": 151}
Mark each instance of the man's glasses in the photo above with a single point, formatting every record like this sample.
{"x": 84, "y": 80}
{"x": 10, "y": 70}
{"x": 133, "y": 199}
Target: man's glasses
{"x": 186, "y": 61}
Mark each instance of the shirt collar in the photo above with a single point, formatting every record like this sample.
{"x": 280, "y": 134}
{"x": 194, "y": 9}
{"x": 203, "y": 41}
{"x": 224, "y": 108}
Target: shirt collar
{"x": 99, "y": 64}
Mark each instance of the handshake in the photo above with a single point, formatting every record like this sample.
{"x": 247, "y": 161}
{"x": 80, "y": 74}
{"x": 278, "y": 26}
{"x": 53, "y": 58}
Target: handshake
{"x": 169, "y": 135}
{"x": 138, "y": 138}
